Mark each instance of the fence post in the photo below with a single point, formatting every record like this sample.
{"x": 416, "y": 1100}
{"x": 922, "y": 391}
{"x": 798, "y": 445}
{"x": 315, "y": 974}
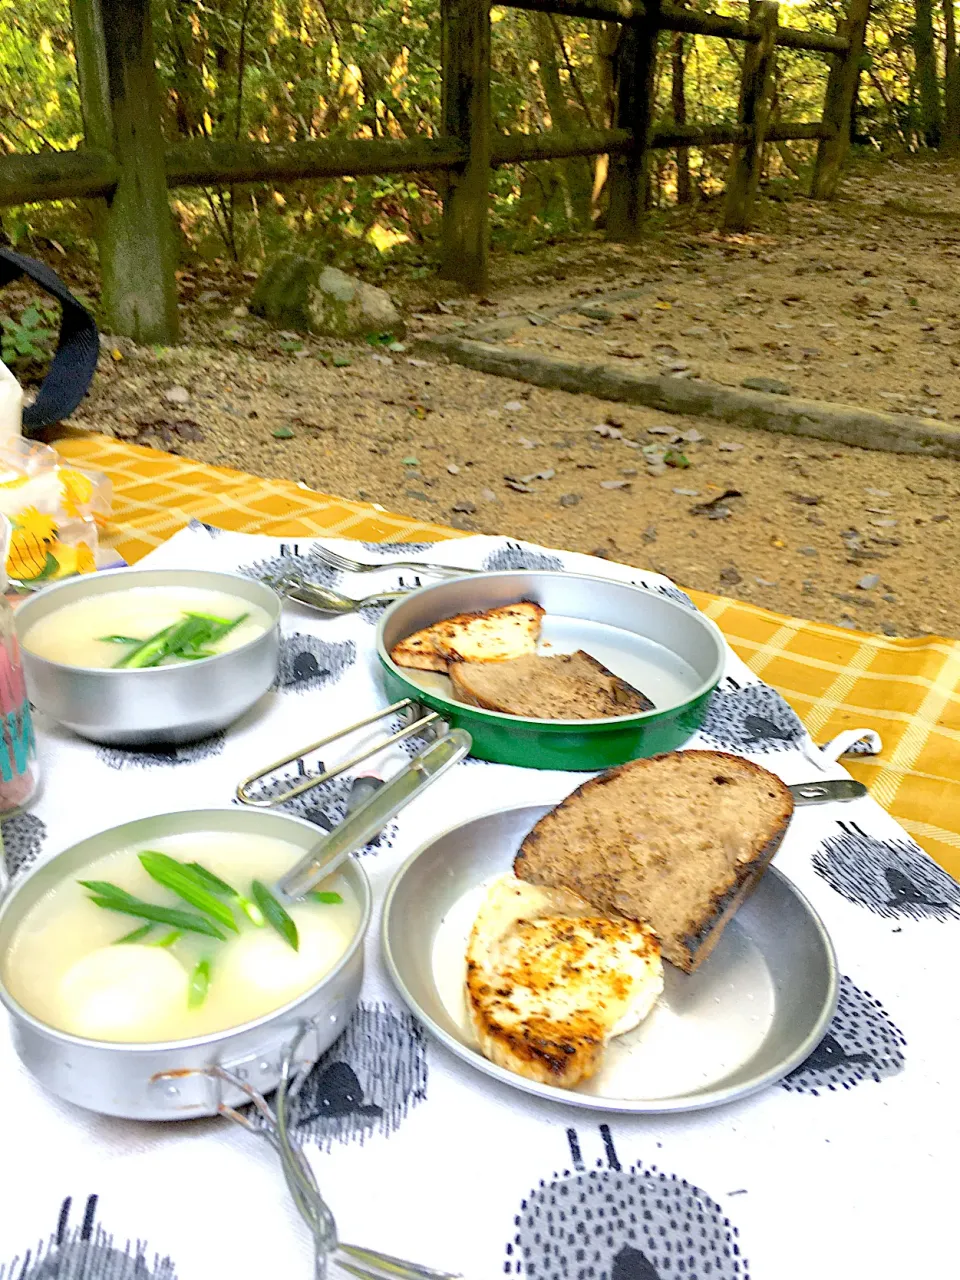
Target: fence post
{"x": 121, "y": 111}
{"x": 838, "y": 105}
{"x": 743, "y": 174}
{"x": 465, "y": 62}
{"x": 636, "y": 62}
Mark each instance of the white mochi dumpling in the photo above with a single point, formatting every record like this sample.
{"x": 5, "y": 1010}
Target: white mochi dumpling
{"x": 262, "y": 961}
{"x": 126, "y": 992}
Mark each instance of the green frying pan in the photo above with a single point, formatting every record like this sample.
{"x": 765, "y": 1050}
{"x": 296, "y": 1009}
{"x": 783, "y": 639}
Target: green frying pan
{"x": 669, "y": 651}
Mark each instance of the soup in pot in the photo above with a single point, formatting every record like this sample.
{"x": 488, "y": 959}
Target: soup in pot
{"x": 142, "y": 627}
{"x": 177, "y": 940}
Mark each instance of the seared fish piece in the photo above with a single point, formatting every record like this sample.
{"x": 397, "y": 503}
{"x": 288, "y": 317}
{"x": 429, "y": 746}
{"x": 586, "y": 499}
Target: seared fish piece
{"x": 550, "y": 980}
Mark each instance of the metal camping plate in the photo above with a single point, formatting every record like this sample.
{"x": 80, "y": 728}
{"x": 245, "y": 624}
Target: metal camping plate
{"x": 757, "y": 1007}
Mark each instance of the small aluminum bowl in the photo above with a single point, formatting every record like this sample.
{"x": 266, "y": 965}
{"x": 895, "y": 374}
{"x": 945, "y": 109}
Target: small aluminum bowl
{"x": 156, "y": 1081}
{"x": 161, "y": 705}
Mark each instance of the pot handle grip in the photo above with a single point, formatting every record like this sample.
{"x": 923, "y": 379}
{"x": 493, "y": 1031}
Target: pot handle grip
{"x": 829, "y": 789}
{"x": 369, "y": 819}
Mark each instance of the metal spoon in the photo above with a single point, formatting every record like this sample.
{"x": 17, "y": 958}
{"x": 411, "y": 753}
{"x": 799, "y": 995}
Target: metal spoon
{"x": 327, "y": 601}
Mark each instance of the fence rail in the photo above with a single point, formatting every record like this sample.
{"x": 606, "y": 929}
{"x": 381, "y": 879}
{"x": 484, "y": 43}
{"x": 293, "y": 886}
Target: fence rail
{"x": 127, "y": 169}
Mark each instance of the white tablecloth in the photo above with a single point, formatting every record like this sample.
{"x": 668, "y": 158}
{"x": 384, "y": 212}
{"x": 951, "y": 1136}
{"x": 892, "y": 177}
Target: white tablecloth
{"x": 845, "y": 1170}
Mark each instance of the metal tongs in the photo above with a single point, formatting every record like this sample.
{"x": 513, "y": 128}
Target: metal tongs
{"x": 368, "y": 819}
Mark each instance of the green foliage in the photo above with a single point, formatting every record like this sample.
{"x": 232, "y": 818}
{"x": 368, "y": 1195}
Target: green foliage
{"x": 292, "y": 70}
{"x": 30, "y": 339}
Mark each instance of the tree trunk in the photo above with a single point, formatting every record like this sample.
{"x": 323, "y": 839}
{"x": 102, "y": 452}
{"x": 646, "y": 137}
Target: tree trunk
{"x": 574, "y": 173}
{"x": 928, "y": 85}
{"x": 605, "y": 38}
{"x": 678, "y": 99}
{"x": 951, "y": 87}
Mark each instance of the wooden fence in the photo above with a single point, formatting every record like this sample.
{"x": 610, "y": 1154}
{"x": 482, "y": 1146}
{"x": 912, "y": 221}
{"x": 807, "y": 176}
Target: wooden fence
{"x": 126, "y": 168}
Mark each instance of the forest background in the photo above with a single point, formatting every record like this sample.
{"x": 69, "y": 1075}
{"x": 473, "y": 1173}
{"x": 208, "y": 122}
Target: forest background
{"x": 290, "y": 70}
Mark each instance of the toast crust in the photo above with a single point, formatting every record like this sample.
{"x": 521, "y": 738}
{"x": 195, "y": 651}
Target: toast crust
{"x": 599, "y": 872}
{"x": 490, "y": 635}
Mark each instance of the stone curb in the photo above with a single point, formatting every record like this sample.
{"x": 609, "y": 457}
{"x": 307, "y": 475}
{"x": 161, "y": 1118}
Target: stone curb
{"x": 760, "y": 410}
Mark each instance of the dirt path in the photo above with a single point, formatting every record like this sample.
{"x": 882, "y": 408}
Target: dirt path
{"x": 855, "y": 302}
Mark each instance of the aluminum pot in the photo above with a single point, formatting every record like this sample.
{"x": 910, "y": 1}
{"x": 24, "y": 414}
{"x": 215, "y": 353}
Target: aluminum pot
{"x": 157, "y": 1081}
{"x": 160, "y": 705}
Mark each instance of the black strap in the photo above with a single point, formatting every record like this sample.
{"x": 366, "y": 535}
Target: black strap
{"x": 78, "y": 348}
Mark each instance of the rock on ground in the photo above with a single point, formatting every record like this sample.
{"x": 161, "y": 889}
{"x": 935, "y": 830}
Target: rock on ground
{"x": 297, "y": 292}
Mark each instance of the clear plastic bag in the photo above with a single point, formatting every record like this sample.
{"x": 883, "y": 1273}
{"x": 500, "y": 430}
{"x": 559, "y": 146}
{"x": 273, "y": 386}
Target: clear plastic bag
{"x": 54, "y": 511}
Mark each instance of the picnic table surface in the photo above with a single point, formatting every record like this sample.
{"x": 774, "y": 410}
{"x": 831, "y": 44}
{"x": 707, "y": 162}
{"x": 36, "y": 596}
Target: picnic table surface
{"x": 908, "y": 690}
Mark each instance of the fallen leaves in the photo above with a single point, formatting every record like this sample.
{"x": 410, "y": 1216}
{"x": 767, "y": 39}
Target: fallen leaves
{"x": 715, "y": 508}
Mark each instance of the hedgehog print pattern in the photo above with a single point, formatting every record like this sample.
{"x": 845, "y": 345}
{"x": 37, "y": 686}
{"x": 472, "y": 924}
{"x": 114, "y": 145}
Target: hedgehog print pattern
{"x": 329, "y": 803}
{"x": 160, "y": 757}
{"x": 202, "y": 526}
{"x": 671, "y": 592}
{"x": 609, "y": 1223}
{"x": 367, "y": 1081}
{"x": 861, "y": 1044}
{"x": 291, "y": 560}
{"x": 406, "y": 549}
{"x": 513, "y": 556}
{"x": 892, "y": 878}
{"x": 23, "y": 837}
{"x": 86, "y": 1252}
{"x": 751, "y": 717}
{"x": 308, "y": 664}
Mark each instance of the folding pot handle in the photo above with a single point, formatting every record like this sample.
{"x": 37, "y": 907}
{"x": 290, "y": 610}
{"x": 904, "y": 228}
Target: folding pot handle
{"x": 829, "y": 789}
{"x": 369, "y": 819}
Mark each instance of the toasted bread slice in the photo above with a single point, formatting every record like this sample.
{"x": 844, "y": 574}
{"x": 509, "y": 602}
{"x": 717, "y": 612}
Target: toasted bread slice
{"x": 564, "y": 686}
{"x": 549, "y": 981}
{"x": 678, "y": 840}
{"x": 495, "y": 635}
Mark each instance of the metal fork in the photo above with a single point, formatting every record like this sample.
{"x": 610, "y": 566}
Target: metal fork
{"x": 365, "y": 1264}
{"x": 347, "y": 565}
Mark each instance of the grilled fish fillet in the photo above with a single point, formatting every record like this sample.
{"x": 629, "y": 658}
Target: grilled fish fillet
{"x": 550, "y": 980}
{"x": 511, "y": 631}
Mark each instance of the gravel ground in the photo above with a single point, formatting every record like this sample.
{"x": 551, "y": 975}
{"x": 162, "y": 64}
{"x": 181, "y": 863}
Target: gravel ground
{"x": 844, "y": 535}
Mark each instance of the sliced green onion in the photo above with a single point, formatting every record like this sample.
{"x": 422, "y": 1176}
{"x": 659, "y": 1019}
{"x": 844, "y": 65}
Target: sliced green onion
{"x": 112, "y": 898}
{"x": 321, "y": 895}
{"x": 216, "y": 885}
{"x": 135, "y": 935}
{"x": 209, "y": 617}
{"x": 188, "y": 640}
{"x": 199, "y": 985}
{"x": 168, "y": 939}
{"x": 276, "y": 915}
{"x": 144, "y": 654}
{"x": 119, "y": 640}
{"x": 225, "y": 628}
{"x": 186, "y": 884}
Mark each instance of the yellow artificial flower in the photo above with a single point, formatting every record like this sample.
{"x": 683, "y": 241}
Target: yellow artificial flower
{"x": 32, "y": 522}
